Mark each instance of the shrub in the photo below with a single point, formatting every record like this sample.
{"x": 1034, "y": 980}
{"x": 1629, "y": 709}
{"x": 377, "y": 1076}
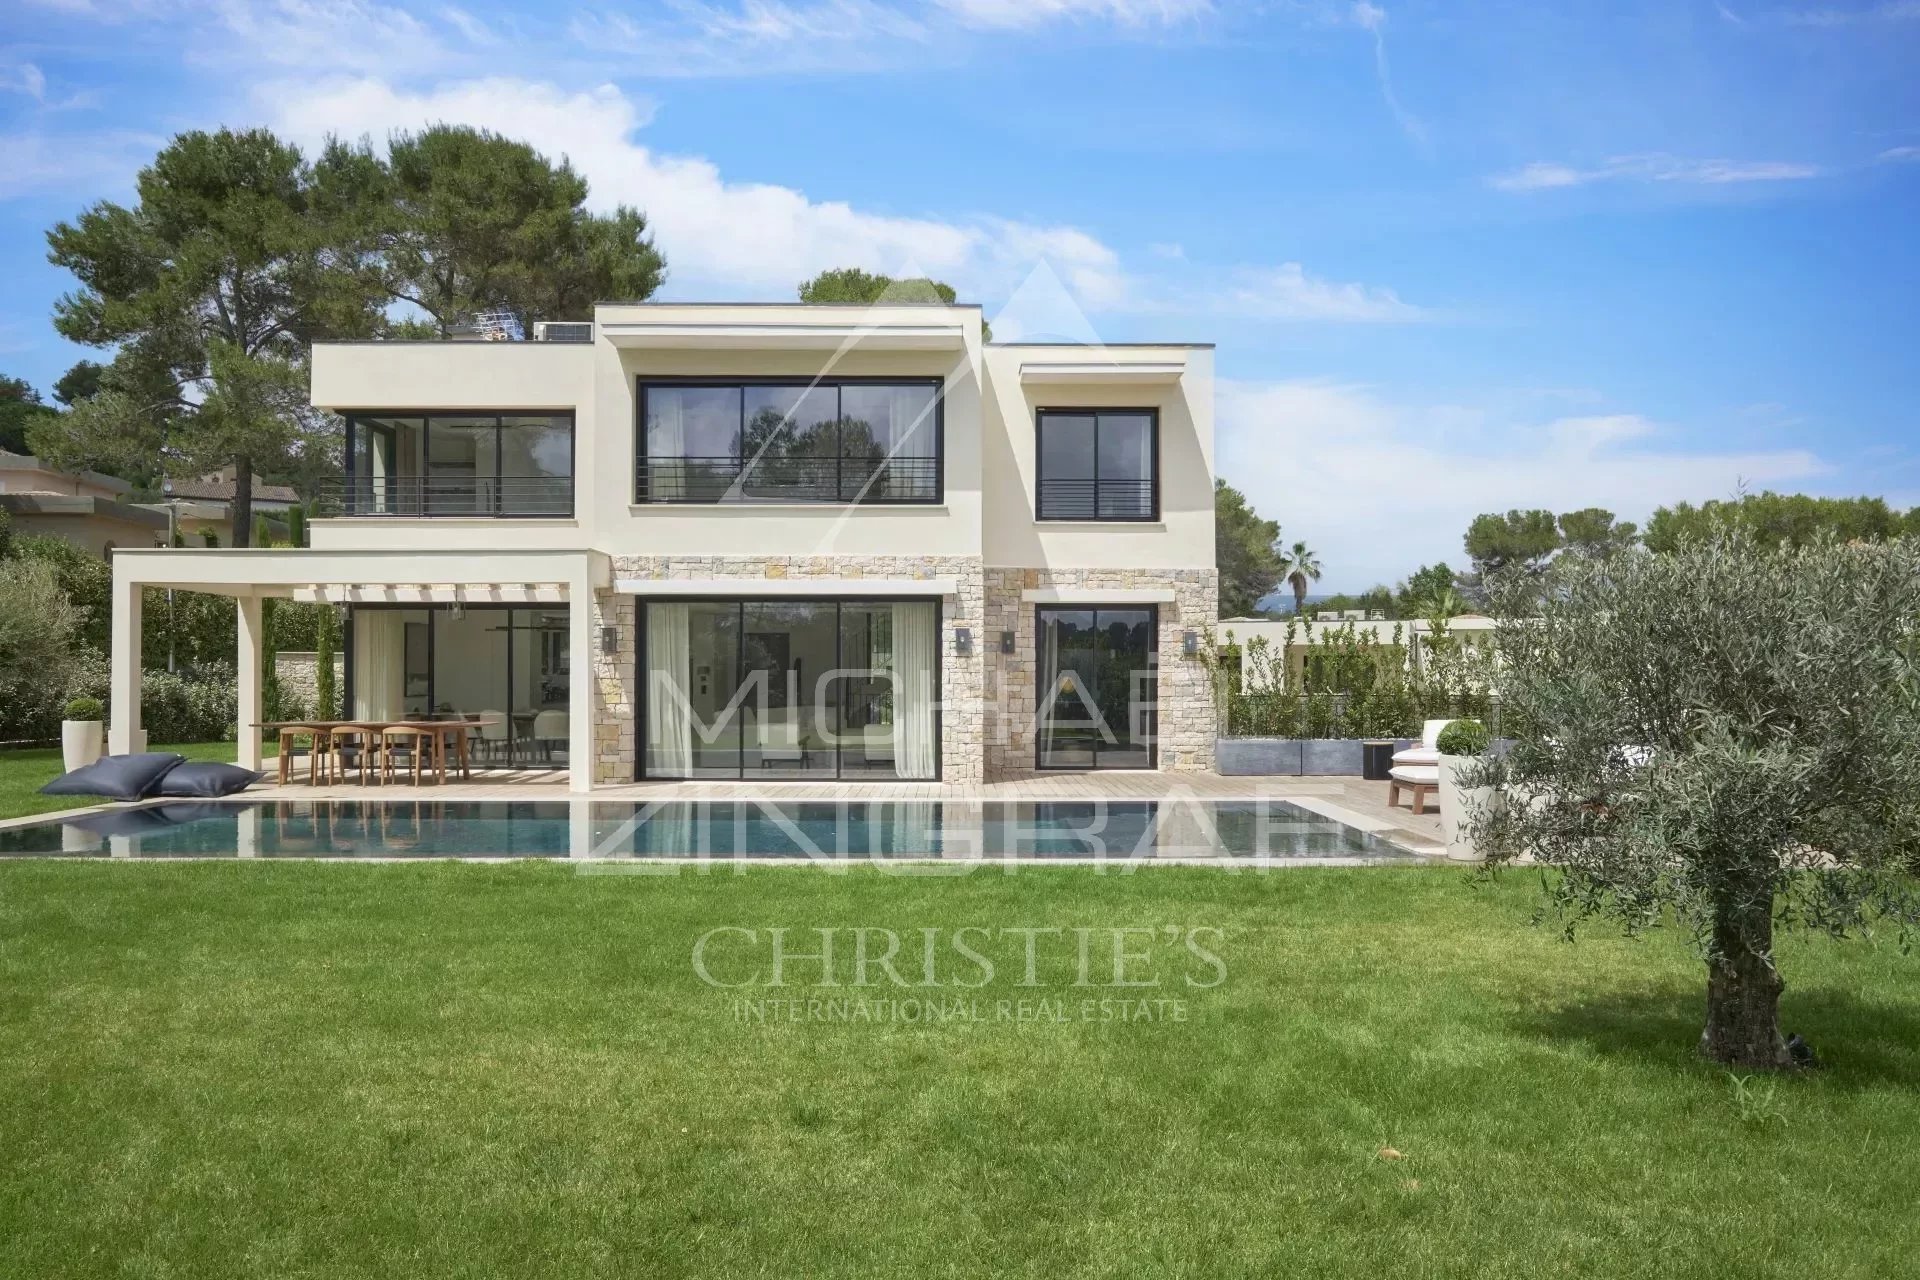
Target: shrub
{"x": 202, "y": 708}
{"x": 39, "y": 628}
{"x": 1464, "y": 738}
{"x": 86, "y": 709}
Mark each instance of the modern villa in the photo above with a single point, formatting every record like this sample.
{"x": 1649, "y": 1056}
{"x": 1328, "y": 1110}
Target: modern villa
{"x": 754, "y": 542}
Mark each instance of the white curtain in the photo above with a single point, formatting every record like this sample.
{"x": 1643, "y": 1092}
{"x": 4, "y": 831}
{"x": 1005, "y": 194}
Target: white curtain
{"x": 669, "y": 713}
{"x": 915, "y": 649}
{"x": 379, "y": 663}
{"x": 666, "y": 442}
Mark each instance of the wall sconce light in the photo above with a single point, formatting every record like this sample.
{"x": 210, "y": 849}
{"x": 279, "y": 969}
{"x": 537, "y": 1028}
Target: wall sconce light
{"x": 963, "y": 642}
{"x": 1190, "y": 643}
{"x": 1006, "y": 642}
{"x": 609, "y": 640}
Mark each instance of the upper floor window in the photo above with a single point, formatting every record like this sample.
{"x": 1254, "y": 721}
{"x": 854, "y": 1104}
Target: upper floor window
{"x": 458, "y": 464}
{"x": 823, "y": 440}
{"x": 1098, "y": 464}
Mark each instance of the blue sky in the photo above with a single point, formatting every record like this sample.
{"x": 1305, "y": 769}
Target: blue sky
{"x": 1457, "y": 256}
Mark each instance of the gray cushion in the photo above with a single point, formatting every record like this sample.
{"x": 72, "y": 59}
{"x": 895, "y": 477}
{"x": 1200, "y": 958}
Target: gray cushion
{"x": 117, "y": 777}
{"x": 206, "y": 778}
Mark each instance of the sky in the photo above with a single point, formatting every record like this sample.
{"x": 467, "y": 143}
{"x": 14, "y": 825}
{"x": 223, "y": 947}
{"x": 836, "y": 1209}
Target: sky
{"x": 1457, "y": 255}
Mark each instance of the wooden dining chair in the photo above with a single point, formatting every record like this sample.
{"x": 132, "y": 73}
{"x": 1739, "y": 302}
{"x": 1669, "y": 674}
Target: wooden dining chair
{"x": 290, "y": 734}
{"x": 415, "y": 741}
{"x": 365, "y": 741}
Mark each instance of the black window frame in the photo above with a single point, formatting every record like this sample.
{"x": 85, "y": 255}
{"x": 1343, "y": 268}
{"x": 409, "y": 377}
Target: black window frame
{"x": 1040, "y": 613}
{"x": 423, "y": 509}
{"x": 723, "y": 383}
{"x": 1152, "y": 415}
{"x": 839, "y": 601}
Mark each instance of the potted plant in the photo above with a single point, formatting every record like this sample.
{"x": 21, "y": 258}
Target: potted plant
{"x": 1462, "y": 745}
{"x": 80, "y": 733}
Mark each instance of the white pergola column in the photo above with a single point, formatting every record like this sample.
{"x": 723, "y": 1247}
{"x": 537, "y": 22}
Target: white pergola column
{"x": 123, "y": 688}
{"x": 248, "y": 678}
{"x": 580, "y": 639}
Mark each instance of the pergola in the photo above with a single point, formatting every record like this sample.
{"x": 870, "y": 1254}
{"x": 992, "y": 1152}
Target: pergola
{"x": 252, "y": 575}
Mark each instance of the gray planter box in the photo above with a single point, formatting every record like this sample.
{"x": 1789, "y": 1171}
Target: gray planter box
{"x": 1291, "y": 757}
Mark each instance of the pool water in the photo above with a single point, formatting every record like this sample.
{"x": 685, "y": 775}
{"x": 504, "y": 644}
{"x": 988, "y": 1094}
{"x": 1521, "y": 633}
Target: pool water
{"x": 702, "y": 830}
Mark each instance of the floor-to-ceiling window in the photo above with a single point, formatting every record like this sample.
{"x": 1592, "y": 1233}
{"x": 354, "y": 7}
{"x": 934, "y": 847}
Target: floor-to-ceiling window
{"x": 505, "y": 670}
{"x": 458, "y": 464}
{"x": 790, "y": 688}
{"x": 1098, "y": 691}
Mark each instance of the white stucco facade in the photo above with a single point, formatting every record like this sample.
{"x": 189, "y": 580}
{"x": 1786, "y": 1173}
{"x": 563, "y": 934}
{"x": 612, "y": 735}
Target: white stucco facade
{"x": 979, "y": 547}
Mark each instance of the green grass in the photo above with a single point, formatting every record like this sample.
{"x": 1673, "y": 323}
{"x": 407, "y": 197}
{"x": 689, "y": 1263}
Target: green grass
{"x": 325, "y": 1070}
{"x": 23, "y": 772}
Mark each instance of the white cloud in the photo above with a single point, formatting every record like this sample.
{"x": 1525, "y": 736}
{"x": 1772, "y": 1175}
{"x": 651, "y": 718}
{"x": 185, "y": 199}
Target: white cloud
{"x": 24, "y": 78}
{"x": 1898, "y": 155}
{"x": 1889, "y": 11}
{"x": 1373, "y": 20}
{"x": 1033, "y": 13}
{"x": 1379, "y": 488}
{"x": 1653, "y": 167}
{"x": 1287, "y": 292}
{"x": 723, "y": 237}
{"x": 90, "y": 165}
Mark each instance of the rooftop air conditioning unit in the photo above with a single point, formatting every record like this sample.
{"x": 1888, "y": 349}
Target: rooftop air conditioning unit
{"x": 563, "y": 331}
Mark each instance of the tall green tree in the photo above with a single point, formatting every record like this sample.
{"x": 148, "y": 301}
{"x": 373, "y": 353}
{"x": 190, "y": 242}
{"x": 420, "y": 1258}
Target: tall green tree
{"x": 1428, "y": 592}
{"x": 851, "y": 285}
{"x": 1246, "y": 551}
{"x": 1722, "y": 736}
{"x": 20, "y": 405}
{"x": 1593, "y": 531}
{"x": 82, "y": 382}
{"x": 1796, "y": 519}
{"x": 1299, "y": 566}
{"x": 456, "y": 222}
{"x": 1495, "y": 541}
{"x": 209, "y": 290}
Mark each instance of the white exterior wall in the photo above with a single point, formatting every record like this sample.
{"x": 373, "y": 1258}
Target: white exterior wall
{"x": 983, "y": 535}
{"x": 1183, "y": 536}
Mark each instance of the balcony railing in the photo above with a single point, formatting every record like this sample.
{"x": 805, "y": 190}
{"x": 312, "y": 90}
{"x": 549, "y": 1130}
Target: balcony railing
{"x": 788, "y": 479}
{"x": 1096, "y": 500}
{"x": 510, "y": 497}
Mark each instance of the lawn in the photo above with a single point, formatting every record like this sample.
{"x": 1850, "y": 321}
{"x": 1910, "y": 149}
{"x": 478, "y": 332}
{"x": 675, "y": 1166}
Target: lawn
{"x": 339, "y": 1070}
{"x": 24, "y": 772}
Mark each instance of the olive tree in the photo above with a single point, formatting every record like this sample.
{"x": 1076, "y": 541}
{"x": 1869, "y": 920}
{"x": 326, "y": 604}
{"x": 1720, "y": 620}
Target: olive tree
{"x": 1726, "y": 737}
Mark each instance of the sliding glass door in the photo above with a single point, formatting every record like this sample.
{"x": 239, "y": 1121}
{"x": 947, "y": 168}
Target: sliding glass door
{"x": 1098, "y": 692}
{"x": 505, "y": 670}
{"x": 795, "y": 689}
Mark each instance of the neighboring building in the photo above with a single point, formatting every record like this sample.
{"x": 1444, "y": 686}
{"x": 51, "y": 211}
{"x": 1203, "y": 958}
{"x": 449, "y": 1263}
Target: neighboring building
{"x": 204, "y": 505}
{"x": 1299, "y": 637}
{"x": 761, "y": 541}
{"x": 85, "y": 508}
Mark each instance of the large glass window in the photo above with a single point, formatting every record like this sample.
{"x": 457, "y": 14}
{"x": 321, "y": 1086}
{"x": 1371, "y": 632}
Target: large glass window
{"x": 1099, "y": 688}
{"x": 505, "y": 670}
{"x": 790, "y": 689}
{"x": 1097, "y": 464}
{"x": 458, "y": 465}
{"x": 818, "y": 441}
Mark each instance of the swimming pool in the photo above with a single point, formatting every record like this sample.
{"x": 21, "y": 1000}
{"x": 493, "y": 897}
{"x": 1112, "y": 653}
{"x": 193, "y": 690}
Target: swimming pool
{"x": 742, "y": 830}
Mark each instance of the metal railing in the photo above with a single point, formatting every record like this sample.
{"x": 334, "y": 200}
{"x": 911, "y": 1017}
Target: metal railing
{"x": 1096, "y": 500}
{"x": 788, "y": 479}
{"x": 421, "y": 496}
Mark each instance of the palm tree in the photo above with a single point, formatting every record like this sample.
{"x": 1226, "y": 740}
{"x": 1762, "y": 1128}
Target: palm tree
{"x": 1298, "y": 567}
{"x": 1441, "y": 605}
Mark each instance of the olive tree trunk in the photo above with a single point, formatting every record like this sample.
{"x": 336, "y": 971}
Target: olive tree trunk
{"x": 241, "y": 509}
{"x": 1743, "y": 991}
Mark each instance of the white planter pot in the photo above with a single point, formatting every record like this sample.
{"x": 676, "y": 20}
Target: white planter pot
{"x": 139, "y": 741}
{"x": 1459, "y": 806}
{"x": 79, "y": 743}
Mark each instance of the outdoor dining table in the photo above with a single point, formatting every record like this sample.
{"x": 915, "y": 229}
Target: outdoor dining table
{"x": 439, "y": 731}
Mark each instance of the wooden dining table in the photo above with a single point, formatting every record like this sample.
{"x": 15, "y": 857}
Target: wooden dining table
{"x": 440, "y": 731}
